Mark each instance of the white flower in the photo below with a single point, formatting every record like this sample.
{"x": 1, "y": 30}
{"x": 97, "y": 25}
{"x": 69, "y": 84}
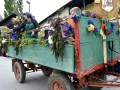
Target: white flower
{"x": 47, "y": 26}
{"x": 4, "y": 41}
{"x": 50, "y": 40}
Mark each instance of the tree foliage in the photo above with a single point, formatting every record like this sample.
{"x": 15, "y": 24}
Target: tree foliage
{"x": 13, "y": 6}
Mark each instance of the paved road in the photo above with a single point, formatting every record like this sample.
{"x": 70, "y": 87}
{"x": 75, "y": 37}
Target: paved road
{"x": 34, "y": 81}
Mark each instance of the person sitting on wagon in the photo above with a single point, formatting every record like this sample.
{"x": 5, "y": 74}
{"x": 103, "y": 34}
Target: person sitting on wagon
{"x": 75, "y": 12}
{"x": 48, "y": 30}
{"x": 28, "y": 24}
{"x": 67, "y": 30}
{"x": 72, "y": 18}
{"x": 11, "y": 25}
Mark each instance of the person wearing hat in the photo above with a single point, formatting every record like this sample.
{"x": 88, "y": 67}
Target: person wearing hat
{"x": 28, "y": 24}
{"x": 14, "y": 23}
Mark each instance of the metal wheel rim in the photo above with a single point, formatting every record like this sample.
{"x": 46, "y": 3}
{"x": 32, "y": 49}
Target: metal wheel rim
{"x": 57, "y": 86}
{"x": 17, "y": 72}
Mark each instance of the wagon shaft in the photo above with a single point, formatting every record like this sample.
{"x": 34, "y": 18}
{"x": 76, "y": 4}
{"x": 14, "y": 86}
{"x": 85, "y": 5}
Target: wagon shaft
{"x": 93, "y": 84}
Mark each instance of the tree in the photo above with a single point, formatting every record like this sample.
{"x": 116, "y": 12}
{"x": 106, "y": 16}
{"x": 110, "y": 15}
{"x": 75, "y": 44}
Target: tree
{"x": 13, "y": 6}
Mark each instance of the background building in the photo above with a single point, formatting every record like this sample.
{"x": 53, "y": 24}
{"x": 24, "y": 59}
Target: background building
{"x": 1, "y": 18}
{"x": 91, "y": 5}
{"x": 7, "y": 20}
{"x": 65, "y": 9}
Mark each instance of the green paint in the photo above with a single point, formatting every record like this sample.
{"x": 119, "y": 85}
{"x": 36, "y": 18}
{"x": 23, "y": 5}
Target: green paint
{"x": 92, "y": 45}
{"x": 44, "y": 56}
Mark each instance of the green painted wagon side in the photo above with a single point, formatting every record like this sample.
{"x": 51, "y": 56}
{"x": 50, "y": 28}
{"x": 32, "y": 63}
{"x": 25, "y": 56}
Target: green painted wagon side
{"x": 91, "y": 50}
{"x": 44, "y": 56}
{"x": 91, "y": 44}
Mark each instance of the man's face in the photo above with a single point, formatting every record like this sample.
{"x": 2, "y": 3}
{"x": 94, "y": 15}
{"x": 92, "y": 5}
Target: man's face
{"x": 25, "y": 17}
{"x": 73, "y": 13}
{"x": 14, "y": 20}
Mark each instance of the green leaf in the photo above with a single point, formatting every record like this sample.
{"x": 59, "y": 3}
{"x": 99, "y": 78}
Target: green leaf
{"x": 13, "y": 6}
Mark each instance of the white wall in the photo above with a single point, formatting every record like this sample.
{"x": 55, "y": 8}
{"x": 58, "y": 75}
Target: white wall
{"x": 39, "y": 8}
{"x": 43, "y": 8}
{"x": 65, "y": 12}
{"x": 2, "y": 8}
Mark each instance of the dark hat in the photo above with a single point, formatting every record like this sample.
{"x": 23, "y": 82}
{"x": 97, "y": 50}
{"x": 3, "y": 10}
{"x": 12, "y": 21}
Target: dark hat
{"x": 29, "y": 15}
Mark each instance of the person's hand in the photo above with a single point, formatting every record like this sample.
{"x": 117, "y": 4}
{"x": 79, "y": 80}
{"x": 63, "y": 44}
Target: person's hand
{"x": 32, "y": 33}
{"x": 11, "y": 30}
{"x": 64, "y": 36}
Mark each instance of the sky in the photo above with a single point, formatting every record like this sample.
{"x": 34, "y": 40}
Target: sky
{"x": 39, "y": 8}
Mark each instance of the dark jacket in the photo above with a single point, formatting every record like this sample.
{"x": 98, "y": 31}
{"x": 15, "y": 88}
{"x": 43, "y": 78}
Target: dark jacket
{"x": 10, "y": 25}
{"x": 22, "y": 25}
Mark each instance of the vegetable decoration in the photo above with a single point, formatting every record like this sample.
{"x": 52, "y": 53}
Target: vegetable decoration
{"x": 18, "y": 44}
{"x": 105, "y": 30}
{"x": 58, "y": 41}
{"x": 91, "y": 27}
{"x": 118, "y": 32}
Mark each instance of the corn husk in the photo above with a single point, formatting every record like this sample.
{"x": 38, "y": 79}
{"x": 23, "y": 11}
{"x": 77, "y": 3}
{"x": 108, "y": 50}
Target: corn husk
{"x": 4, "y": 29}
{"x": 41, "y": 34}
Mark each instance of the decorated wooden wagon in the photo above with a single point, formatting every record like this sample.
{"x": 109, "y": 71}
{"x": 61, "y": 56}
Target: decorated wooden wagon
{"x": 86, "y": 63}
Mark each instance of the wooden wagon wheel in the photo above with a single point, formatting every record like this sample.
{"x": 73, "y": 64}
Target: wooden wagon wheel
{"x": 19, "y": 71}
{"x": 59, "y": 81}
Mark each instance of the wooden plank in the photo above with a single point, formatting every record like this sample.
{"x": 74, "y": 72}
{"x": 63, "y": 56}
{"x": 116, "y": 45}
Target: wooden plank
{"x": 44, "y": 56}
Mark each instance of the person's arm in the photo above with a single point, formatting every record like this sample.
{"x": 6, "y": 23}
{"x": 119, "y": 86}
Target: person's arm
{"x": 71, "y": 30}
{"x": 63, "y": 35}
{"x": 37, "y": 27}
{"x": 36, "y": 24}
{"x": 21, "y": 26}
{"x": 10, "y": 25}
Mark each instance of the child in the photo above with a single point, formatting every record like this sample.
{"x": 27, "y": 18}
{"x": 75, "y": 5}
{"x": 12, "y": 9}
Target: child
{"x": 67, "y": 30}
{"x": 48, "y": 30}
